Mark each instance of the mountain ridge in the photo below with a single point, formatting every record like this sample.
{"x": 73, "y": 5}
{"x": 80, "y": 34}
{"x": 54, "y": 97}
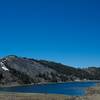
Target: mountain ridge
{"x": 16, "y": 70}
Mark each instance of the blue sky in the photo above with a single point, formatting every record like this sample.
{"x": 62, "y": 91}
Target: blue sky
{"x": 66, "y": 31}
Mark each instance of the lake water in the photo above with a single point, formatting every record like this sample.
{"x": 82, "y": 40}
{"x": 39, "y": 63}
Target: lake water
{"x": 68, "y": 88}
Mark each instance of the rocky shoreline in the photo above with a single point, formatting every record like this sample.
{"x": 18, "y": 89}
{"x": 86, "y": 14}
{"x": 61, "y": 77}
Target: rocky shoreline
{"x": 94, "y": 90}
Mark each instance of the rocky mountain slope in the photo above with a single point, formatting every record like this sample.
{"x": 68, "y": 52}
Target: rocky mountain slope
{"x": 20, "y": 70}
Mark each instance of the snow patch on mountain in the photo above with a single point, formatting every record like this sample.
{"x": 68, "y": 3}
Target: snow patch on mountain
{"x": 3, "y": 66}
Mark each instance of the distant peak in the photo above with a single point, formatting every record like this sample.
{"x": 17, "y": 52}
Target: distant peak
{"x": 10, "y": 57}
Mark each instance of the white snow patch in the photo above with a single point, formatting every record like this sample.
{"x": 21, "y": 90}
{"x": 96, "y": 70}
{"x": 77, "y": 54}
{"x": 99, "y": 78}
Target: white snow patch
{"x": 3, "y": 66}
{"x": 6, "y": 69}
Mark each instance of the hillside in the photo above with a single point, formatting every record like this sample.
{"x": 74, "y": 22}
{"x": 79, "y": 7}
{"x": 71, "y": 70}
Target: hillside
{"x": 20, "y": 70}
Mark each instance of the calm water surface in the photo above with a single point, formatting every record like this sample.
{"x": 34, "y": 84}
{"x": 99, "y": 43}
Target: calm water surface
{"x": 69, "y": 88}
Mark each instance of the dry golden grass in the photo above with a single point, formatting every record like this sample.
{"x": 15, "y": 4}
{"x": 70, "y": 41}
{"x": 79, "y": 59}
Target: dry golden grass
{"x": 24, "y": 96}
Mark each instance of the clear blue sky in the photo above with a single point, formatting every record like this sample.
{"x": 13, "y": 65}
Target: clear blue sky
{"x": 66, "y": 31}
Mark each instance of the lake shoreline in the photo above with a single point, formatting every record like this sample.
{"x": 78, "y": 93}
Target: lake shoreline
{"x": 93, "y": 93}
{"x": 45, "y": 83}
